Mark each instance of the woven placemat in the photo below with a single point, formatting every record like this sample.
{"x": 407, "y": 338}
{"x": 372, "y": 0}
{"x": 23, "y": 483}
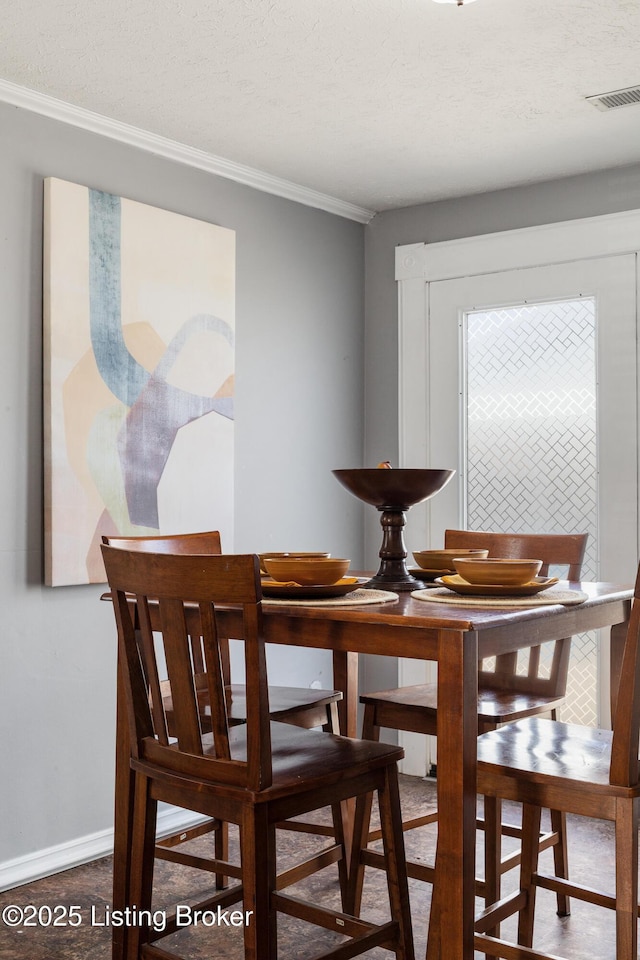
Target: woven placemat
{"x": 349, "y": 600}
{"x": 443, "y": 595}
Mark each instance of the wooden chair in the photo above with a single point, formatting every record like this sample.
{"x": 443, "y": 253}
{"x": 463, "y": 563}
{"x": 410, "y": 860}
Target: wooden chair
{"x": 300, "y": 706}
{"x": 505, "y": 694}
{"x": 255, "y": 774}
{"x": 579, "y": 770}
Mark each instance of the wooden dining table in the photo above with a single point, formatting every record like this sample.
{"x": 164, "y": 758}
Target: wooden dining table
{"x": 456, "y": 637}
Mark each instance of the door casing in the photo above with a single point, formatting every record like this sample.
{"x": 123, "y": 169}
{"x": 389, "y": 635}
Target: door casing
{"x": 418, "y": 268}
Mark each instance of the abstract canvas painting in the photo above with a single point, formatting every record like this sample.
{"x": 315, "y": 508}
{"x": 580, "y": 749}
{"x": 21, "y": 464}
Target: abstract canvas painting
{"x": 139, "y": 323}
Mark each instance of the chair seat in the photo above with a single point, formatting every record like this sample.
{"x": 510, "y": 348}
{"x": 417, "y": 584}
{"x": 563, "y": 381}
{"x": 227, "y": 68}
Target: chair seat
{"x": 302, "y": 760}
{"x": 533, "y": 748}
{"x": 494, "y": 705}
{"x": 503, "y": 706}
{"x": 284, "y": 702}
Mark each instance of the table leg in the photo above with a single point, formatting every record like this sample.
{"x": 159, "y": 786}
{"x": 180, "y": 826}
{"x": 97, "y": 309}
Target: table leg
{"x": 345, "y": 678}
{"x": 452, "y": 916}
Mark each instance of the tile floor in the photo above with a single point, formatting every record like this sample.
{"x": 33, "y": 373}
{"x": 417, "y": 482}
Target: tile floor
{"x": 588, "y": 934}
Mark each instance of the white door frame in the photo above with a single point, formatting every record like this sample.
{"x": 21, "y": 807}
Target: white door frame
{"x": 417, "y": 266}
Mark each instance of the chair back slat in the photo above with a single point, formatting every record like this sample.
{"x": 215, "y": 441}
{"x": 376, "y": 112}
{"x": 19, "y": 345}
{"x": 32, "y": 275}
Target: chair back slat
{"x": 555, "y": 550}
{"x": 258, "y": 736}
{"x": 171, "y": 591}
{"x": 182, "y": 678}
{"x": 131, "y": 662}
{"x": 150, "y": 667}
{"x": 197, "y": 653}
{"x": 626, "y": 724}
{"x": 214, "y": 677}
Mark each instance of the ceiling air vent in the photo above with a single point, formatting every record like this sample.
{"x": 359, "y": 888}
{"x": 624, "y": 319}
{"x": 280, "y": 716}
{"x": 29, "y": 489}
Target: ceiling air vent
{"x": 616, "y": 98}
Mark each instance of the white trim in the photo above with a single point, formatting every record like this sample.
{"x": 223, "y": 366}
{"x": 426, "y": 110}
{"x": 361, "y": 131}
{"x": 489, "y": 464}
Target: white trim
{"x": 51, "y": 860}
{"x": 570, "y": 240}
{"x": 55, "y": 109}
{"x": 413, "y": 349}
{"x": 410, "y": 261}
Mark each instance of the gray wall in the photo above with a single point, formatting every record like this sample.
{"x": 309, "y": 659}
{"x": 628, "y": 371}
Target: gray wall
{"x": 572, "y": 198}
{"x": 299, "y": 412}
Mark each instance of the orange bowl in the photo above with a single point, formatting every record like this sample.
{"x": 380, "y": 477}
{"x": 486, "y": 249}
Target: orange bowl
{"x": 505, "y": 572}
{"x": 289, "y": 553}
{"x": 443, "y": 559}
{"x": 307, "y": 571}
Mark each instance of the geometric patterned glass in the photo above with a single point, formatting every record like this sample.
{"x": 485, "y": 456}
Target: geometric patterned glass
{"x": 531, "y": 454}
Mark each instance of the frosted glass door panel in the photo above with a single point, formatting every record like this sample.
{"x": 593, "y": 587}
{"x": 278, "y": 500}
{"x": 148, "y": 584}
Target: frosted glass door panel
{"x": 532, "y": 398}
{"x": 531, "y": 451}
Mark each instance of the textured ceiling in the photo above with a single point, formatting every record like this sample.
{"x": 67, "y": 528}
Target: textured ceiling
{"x": 382, "y": 103}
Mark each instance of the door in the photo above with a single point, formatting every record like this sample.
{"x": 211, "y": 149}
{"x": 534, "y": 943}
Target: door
{"x": 531, "y": 396}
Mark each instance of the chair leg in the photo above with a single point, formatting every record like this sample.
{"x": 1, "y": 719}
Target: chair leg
{"x": 123, "y": 822}
{"x": 492, "y": 854}
{"x": 333, "y": 721}
{"x": 355, "y": 884}
{"x": 560, "y": 850}
{"x": 492, "y": 848}
{"x": 561, "y": 857}
{"x": 393, "y": 842}
{"x": 142, "y": 861}
{"x": 626, "y": 827}
{"x": 361, "y": 822}
{"x": 528, "y": 866}
{"x": 258, "y": 853}
{"x": 434, "y": 943}
{"x": 339, "y": 814}
{"x": 221, "y": 850}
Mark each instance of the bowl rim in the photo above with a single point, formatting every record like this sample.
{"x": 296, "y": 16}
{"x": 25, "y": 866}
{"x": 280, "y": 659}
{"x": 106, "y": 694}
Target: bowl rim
{"x": 453, "y": 551}
{"x": 296, "y": 554}
{"x": 305, "y": 559}
{"x": 500, "y": 559}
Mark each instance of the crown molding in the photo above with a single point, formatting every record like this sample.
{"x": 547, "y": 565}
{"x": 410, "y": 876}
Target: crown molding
{"x": 47, "y": 106}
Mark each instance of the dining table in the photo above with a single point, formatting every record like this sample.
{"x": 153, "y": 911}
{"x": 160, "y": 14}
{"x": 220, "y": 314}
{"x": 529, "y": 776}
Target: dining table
{"x": 455, "y": 635}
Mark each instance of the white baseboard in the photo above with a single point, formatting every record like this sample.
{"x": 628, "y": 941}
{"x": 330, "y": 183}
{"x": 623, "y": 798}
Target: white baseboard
{"x": 44, "y": 863}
